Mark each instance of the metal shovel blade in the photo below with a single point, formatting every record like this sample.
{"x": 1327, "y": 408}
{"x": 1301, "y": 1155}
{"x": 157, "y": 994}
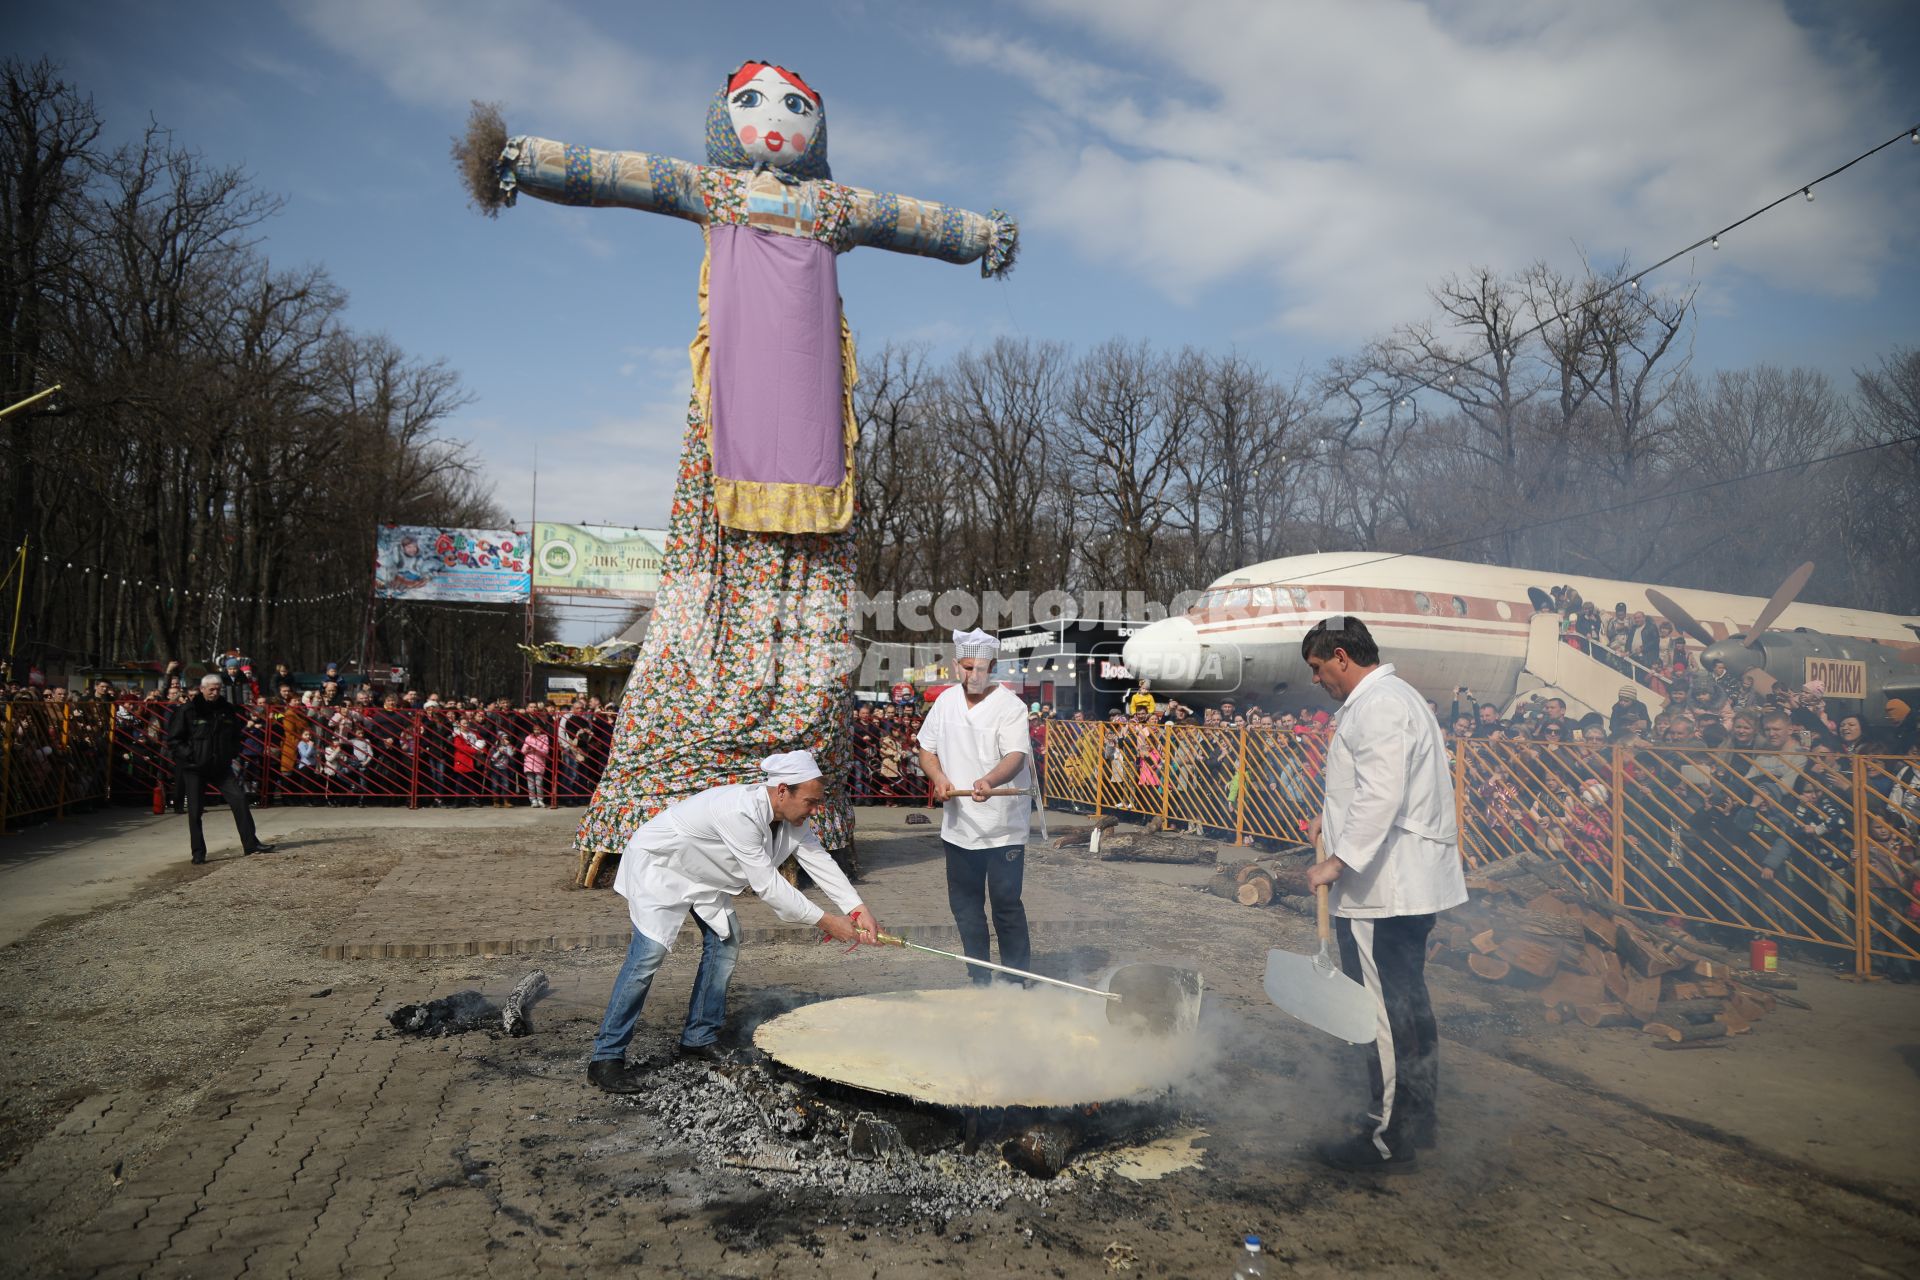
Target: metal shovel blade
{"x": 1313, "y": 989}
{"x": 1158, "y": 997}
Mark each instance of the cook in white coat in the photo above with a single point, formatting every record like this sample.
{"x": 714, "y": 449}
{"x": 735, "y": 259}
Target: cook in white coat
{"x": 1388, "y": 826}
{"x": 974, "y": 740}
{"x": 694, "y": 857}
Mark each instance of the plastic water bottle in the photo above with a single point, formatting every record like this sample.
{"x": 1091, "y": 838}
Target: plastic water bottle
{"x": 1250, "y": 1268}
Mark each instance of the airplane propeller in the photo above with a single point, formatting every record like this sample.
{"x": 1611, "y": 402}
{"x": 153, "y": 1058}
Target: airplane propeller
{"x": 1778, "y": 605}
{"x": 1670, "y": 609}
{"x": 1672, "y": 612}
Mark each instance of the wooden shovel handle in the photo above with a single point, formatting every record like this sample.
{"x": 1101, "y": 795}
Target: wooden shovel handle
{"x": 1322, "y": 916}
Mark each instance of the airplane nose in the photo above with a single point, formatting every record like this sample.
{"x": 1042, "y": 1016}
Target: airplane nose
{"x": 1173, "y": 655}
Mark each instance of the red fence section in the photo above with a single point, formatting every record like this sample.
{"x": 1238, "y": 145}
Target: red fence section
{"x": 363, "y": 755}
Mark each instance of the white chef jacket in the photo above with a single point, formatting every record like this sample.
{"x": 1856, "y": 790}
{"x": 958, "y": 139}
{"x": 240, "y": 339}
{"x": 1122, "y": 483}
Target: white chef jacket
{"x": 697, "y": 854}
{"x": 1390, "y": 809}
{"x": 968, "y": 742}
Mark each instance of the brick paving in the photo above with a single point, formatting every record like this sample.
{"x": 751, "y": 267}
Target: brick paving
{"x": 330, "y": 1147}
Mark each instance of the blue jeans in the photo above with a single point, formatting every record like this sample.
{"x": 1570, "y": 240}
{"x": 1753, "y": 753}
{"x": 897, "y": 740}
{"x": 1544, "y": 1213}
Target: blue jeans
{"x": 706, "y": 1012}
{"x": 975, "y": 877}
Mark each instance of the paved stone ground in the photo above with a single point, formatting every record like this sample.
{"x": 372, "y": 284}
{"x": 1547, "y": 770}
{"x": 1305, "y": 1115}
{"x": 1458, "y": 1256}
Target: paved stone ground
{"x": 328, "y": 1147}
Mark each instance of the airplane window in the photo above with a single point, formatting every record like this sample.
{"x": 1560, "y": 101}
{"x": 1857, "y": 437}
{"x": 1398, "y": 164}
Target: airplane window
{"x": 1459, "y": 607}
{"x": 1237, "y": 599}
{"x": 1299, "y": 596}
{"x": 1263, "y": 599}
{"x": 1421, "y": 602}
{"x": 1502, "y": 608}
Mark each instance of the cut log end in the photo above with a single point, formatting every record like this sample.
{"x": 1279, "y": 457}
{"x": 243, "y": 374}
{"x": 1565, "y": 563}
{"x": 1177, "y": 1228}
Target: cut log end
{"x": 1492, "y": 968}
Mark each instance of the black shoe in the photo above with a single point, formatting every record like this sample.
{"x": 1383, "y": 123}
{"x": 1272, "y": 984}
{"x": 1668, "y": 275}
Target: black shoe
{"x": 1358, "y": 1154}
{"x": 199, "y": 858}
{"x": 616, "y": 1076}
{"x": 709, "y": 1053}
{"x": 261, "y": 848}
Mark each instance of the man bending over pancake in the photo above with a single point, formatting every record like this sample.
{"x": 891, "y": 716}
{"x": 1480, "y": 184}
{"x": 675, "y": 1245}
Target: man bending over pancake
{"x": 695, "y": 856}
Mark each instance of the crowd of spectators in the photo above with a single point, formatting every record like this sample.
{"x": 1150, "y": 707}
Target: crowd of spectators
{"x": 333, "y": 744}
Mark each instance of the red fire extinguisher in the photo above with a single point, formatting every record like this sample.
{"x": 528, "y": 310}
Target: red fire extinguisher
{"x": 1763, "y": 955}
{"x": 159, "y": 798}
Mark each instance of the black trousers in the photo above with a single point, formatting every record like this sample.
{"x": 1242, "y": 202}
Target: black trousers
{"x": 1388, "y": 956}
{"x": 976, "y": 877}
{"x": 231, "y": 791}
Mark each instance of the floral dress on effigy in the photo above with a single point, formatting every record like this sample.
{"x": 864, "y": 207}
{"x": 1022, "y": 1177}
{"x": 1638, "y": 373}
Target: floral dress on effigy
{"x": 749, "y": 650}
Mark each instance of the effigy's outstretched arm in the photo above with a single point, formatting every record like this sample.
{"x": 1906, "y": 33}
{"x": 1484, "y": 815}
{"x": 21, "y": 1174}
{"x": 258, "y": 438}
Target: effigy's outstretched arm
{"x": 883, "y": 220}
{"x": 567, "y": 174}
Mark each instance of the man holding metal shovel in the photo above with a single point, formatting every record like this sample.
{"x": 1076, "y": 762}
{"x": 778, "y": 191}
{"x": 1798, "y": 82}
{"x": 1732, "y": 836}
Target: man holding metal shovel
{"x": 693, "y": 858}
{"x": 1393, "y": 863}
{"x": 973, "y": 743}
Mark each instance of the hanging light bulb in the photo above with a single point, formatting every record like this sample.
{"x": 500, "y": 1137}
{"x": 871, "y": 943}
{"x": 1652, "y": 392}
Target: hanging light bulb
{"x": 1808, "y": 193}
{"x": 1716, "y": 242}
{"x": 1633, "y": 284}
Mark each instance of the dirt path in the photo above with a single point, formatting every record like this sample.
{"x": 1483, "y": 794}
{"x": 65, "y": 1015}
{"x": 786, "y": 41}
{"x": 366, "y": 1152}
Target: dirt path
{"x": 258, "y": 1125}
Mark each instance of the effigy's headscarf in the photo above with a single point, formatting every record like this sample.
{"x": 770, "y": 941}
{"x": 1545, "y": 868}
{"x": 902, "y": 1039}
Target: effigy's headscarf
{"x": 723, "y": 145}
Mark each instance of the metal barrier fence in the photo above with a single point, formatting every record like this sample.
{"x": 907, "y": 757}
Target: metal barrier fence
{"x": 61, "y": 756}
{"x": 1816, "y": 847}
{"x": 55, "y": 758}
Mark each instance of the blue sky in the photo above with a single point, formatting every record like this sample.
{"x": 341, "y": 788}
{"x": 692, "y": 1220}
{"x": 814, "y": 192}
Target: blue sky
{"x": 1281, "y": 179}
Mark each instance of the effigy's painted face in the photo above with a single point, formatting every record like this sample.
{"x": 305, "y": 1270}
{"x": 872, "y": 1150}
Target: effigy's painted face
{"x": 775, "y": 120}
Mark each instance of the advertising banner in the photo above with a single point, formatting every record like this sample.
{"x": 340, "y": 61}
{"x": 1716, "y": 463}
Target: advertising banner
{"x": 477, "y": 566}
{"x": 597, "y": 560}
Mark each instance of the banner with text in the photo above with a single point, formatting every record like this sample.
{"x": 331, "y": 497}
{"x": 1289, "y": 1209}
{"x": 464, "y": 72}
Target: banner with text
{"x": 478, "y": 566}
{"x": 597, "y": 560}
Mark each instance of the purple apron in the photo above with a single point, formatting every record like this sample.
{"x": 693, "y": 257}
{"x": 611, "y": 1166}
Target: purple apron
{"x": 773, "y": 319}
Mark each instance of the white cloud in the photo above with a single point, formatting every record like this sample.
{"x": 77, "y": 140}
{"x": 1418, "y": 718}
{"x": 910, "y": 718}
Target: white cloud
{"x": 550, "y": 67}
{"x": 1351, "y": 154}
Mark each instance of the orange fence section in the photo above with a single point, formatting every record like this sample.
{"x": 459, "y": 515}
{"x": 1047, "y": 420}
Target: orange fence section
{"x": 1816, "y": 847}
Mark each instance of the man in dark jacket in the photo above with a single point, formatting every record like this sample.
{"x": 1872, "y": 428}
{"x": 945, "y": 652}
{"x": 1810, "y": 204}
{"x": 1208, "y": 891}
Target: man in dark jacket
{"x": 204, "y": 735}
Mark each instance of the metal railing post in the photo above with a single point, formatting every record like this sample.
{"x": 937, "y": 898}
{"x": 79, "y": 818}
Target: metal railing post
{"x": 267, "y": 721}
{"x": 1460, "y": 750}
{"x": 1100, "y": 767}
{"x": 416, "y": 735}
{"x": 1619, "y": 807}
{"x": 1240, "y": 800}
{"x": 6, "y": 770}
{"x": 1862, "y": 879}
{"x": 66, "y": 749}
{"x": 1166, "y": 771}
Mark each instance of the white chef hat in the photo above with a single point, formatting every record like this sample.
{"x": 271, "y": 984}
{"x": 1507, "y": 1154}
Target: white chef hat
{"x": 975, "y": 644}
{"x": 790, "y": 767}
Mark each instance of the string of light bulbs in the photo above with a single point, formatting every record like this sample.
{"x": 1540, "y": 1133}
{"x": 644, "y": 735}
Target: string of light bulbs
{"x": 1448, "y": 372}
{"x": 111, "y": 577}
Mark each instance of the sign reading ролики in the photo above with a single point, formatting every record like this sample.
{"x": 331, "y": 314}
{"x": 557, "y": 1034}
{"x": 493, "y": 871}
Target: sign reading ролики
{"x": 1843, "y": 677}
{"x": 597, "y": 560}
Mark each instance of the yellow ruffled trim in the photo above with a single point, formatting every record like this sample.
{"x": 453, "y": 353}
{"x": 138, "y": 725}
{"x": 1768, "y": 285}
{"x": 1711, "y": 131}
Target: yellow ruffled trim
{"x": 762, "y": 506}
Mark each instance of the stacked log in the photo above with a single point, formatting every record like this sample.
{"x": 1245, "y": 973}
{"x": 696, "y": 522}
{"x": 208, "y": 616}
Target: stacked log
{"x": 1586, "y": 960}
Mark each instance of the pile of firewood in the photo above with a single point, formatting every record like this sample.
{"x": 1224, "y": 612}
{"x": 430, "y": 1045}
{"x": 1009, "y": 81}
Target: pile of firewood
{"x": 1589, "y": 961}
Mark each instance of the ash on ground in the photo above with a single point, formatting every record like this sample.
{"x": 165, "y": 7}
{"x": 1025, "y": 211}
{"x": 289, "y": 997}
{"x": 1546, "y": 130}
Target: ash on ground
{"x": 928, "y": 1164}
